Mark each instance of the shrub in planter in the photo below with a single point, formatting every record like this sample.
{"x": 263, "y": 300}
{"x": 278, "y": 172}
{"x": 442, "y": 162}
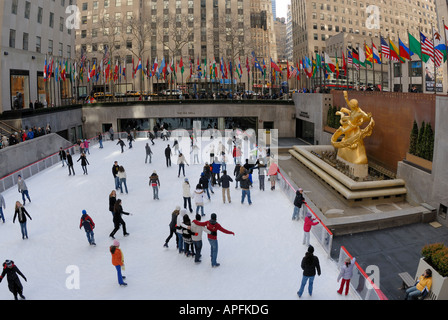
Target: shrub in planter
{"x": 436, "y": 255}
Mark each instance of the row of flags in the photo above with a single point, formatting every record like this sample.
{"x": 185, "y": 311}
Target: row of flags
{"x": 434, "y": 50}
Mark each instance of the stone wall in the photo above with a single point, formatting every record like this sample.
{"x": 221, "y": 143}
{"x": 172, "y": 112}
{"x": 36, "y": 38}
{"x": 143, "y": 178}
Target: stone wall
{"x": 394, "y": 114}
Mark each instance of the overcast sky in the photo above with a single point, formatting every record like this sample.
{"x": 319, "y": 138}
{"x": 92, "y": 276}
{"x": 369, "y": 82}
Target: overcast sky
{"x": 282, "y": 8}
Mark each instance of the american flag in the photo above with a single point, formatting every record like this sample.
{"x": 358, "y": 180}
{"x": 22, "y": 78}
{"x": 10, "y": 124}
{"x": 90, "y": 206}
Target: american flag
{"x": 106, "y": 55}
{"x": 427, "y": 46}
{"x": 385, "y": 49}
{"x": 439, "y": 46}
{"x": 293, "y": 71}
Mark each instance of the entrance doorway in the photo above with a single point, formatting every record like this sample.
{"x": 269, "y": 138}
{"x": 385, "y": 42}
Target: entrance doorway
{"x": 305, "y": 130}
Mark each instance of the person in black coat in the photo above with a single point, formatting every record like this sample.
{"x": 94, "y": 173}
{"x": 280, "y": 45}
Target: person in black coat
{"x": 204, "y": 182}
{"x": 70, "y": 164}
{"x": 168, "y": 156}
{"x": 118, "y": 220}
{"x": 122, "y": 144}
{"x": 21, "y": 214}
{"x": 84, "y": 162}
{"x": 224, "y": 181}
{"x": 62, "y": 156}
{"x": 172, "y": 226}
{"x": 299, "y": 200}
{"x": 310, "y": 264}
{"x": 115, "y": 168}
{"x": 14, "y": 285}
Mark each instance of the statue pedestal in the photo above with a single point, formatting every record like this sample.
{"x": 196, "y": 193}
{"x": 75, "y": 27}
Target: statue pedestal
{"x": 360, "y": 171}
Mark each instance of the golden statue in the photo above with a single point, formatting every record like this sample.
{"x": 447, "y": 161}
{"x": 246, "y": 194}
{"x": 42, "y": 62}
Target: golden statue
{"x": 351, "y": 147}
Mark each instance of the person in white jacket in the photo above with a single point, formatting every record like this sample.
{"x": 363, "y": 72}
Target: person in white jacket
{"x": 197, "y": 237}
{"x": 346, "y": 274}
{"x": 199, "y": 199}
{"x": 181, "y": 161}
{"x": 186, "y": 193}
{"x": 122, "y": 176}
{"x": 179, "y": 229}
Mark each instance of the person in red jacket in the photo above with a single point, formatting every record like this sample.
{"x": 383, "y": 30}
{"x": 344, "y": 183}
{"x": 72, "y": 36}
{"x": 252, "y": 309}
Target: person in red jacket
{"x": 309, "y": 222}
{"x": 213, "y": 226}
{"x": 89, "y": 225}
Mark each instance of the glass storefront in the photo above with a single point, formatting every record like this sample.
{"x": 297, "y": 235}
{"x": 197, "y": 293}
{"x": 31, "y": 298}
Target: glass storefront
{"x": 20, "y": 89}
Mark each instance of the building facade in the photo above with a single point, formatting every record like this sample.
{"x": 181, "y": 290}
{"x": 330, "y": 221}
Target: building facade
{"x": 32, "y": 31}
{"x": 207, "y": 31}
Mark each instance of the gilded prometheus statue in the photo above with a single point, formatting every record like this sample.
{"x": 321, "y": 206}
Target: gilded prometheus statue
{"x": 351, "y": 146}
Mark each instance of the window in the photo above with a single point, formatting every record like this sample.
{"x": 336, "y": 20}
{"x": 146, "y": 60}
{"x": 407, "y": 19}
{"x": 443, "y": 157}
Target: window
{"x": 14, "y": 7}
{"x": 51, "y": 23}
{"x": 25, "y": 41}
{"x": 39, "y": 15}
{"x": 12, "y": 38}
{"x": 27, "y": 9}
{"x": 50, "y": 46}
{"x": 38, "y": 44}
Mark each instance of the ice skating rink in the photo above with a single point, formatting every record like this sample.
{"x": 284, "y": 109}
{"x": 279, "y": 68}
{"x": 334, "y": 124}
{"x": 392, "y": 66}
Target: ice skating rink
{"x": 261, "y": 262}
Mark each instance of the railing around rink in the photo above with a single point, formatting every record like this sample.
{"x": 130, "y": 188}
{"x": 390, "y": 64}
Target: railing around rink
{"x": 360, "y": 281}
{"x": 320, "y": 231}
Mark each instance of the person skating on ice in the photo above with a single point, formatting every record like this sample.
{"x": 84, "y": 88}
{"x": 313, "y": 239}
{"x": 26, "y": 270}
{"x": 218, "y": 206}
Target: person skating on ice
{"x": 20, "y": 213}
{"x": 172, "y": 226}
{"x": 154, "y": 182}
{"x": 23, "y": 189}
{"x": 11, "y": 272}
{"x": 118, "y": 261}
{"x": 118, "y": 220}
{"x": 89, "y": 225}
{"x": 70, "y": 164}
{"x": 84, "y": 162}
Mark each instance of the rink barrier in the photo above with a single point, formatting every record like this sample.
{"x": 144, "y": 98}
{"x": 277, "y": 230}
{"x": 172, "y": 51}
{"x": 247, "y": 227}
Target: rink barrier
{"x": 360, "y": 281}
{"x": 320, "y": 231}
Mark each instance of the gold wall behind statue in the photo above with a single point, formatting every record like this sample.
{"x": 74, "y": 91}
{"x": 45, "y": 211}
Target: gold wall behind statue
{"x": 394, "y": 115}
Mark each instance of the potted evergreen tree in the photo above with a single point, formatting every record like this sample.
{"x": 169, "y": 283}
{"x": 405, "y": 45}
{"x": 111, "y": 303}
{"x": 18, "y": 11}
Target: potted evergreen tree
{"x": 421, "y": 146}
{"x": 435, "y": 257}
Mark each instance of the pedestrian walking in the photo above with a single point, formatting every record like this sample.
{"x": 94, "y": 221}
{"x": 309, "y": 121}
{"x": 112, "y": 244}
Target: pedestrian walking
{"x": 213, "y": 226}
{"x": 199, "y": 199}
{"x": 115, "y": 168}
{"x": 89, "y": 225}
{"x": 224, "y": 181}
{"x": 11, "y": 272}
{"x": 186, "y": 194}
{"x": 122, "y": 144}
{"x": 197, "y": 237}
{"x": 299, "y": 201}
{"x": 346, "y": 274}
{"x": 23, "y": 189}
{"x": 118, "y": 261}
{"x": 172, "y": 226}
{"x": 118, "y": 220}
{"x": 84, "y": 162}
{"x": 168, "y": 156}
{"x": 2, "y": 206}
{"x": 310, "y": 265}
{"x": 62, "y": 156}
{"x": 155, "y": 184}
{"x": 20, "y": 213}
{"x": 70, "y": 164}
{"x": 245, "y": 184}
{"x": 308, "y": 223}
{"x": 112, "y": 200}
{"x": 181, "y": 161}
{"x": 122, "y": 176}
{"x": 148, "y": 153}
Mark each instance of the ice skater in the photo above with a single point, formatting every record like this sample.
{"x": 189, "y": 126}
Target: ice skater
{"x": 346, "y": 274}
{"x": 21, "y": 185}
{"x": 89, "y": 225}
{"x": 122, "y": 144}
{"x": 118, "y": 261}
{"x": 118, "y": 220}
{"x": 310, "y": 265}
{"x": 181, "y": 161}
{"x": 122, "y": 176}
{"x": 70, "y": 164}
{"x": 154, "y": 182}
{"x": 2, "y": 206}
{"x": 197, "y": 238}
{"x": 84, "y": 162}
{"x": 172, "y": 226}
{"x": 186, "y": 193}
{"x": 299, "y": 201}
{"x": 14, "y": 285}
{"x": 148, "y": 153}
{"x": 62, "y": 156}
{"x": 21, "y": 214}
{"x": 213, "y": 226}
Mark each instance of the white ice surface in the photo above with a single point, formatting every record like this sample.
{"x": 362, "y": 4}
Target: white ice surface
{"x": 261, "y": 262}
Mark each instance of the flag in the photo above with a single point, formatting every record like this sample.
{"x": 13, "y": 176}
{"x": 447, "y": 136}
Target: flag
{"x": 45, "y": 69}
{"x": 298, "y": 70}
{"x": 329, "y": 63}
{"x": 162, "y": 65}
{"x": 405, "y": 53}
{"x": 288, "y": 72}
{"x": 93, "y": 71}
{"x": 394, "y": 52}
{"x": 414, "y": 46}
{"x": 369, "y": 56}
{"x": 439, "y": 48}
{"x": 275, "y": 66}
{"x": 239, "y": 67}
{"x": 155, "y": 66}
{"x": 375, "y": 54}
{"x": 124, "y": 68}
{"x": 355, "y": 56}
{"x": 257, "y": 64}
{"x": 337, "y": 67}
{"x": 308, "y": 67}
{"x": 362, "y": 56}
{"x": 247, "y": 65}
{"x": 427, "y": 48}
{"x": 181, "y": 66}
{"x": 385, "y": 50}
{"x": 139, "y": 65}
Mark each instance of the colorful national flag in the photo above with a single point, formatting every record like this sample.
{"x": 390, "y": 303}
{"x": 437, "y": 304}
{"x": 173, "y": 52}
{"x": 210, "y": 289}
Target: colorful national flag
{"x": 385, "y": 50}
{"x": 405, "y": 53}
{"x": 275, "y": 66}
{"x": 427, "y": 48}
{"x": 394, "y": 52}
{"x": 415, "y": 46}
{"x": 375, "y": 54}
{"x": 439, "y": 48}
{"x": 369, "y": 56}
{"x": 329, "y": 64}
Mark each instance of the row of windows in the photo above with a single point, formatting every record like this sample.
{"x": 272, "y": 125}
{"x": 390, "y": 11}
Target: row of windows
{"x": 38, "y": 43}
{"x": 106, "y": 3}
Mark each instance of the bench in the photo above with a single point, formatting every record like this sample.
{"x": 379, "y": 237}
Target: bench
{"x": 408, "y": 281}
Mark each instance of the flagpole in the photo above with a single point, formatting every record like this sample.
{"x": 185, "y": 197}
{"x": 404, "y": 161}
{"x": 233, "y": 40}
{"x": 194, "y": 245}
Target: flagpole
{"x": 373, "y": 65}
{"x": 444, "y": 32}
{"x": 434, "y": 59}
{"x": 410, "y": 58}
{"x": 421, "y": 58}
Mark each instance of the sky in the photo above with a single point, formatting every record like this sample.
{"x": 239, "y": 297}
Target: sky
{"x": 282, "y": 7}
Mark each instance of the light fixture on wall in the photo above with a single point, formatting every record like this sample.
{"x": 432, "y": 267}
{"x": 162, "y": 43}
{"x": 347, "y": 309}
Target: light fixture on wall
{"x": 5, "y": 53}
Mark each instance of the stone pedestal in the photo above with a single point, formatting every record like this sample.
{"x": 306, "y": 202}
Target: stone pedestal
{"x": 360, "y": 171}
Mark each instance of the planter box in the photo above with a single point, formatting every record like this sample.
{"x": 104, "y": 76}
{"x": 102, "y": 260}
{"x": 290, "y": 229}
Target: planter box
{"x": 426, "y": 164}
{"x": 439, "y": 283}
